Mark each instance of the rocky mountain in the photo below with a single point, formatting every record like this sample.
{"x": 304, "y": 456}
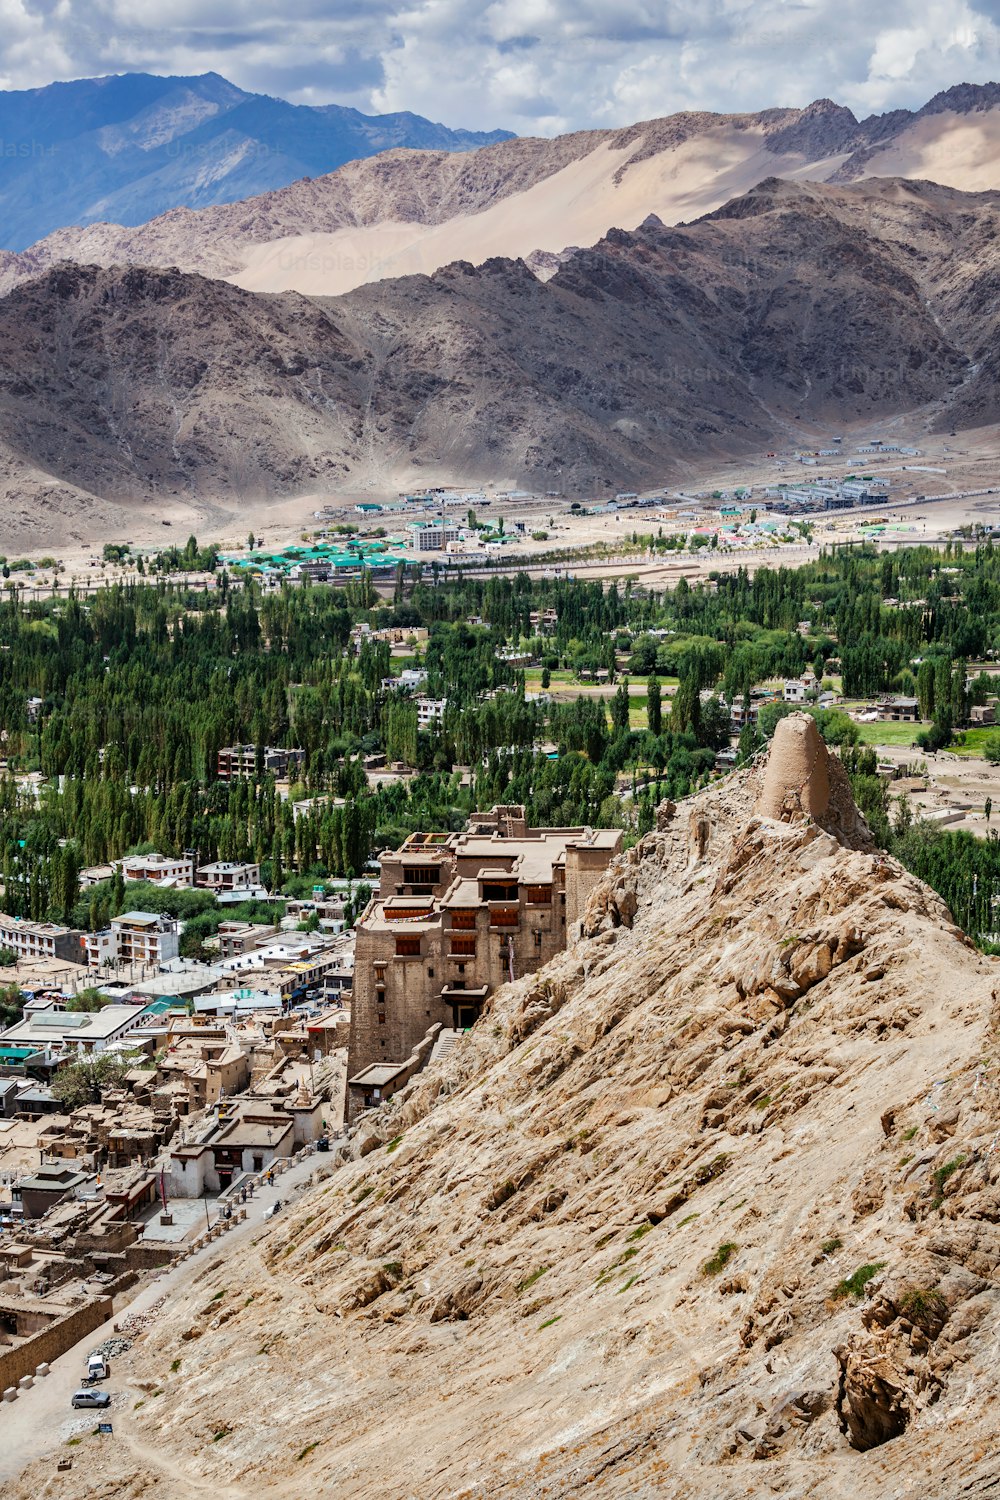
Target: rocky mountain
{"x": 401, "y": 213}
{"x": 708, "y": 1207}
{"x": 634, "y": 362}
{"x": 134, "y": 146}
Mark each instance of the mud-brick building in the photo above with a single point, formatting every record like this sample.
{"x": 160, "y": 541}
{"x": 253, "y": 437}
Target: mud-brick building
{"x": 458, "y": 914}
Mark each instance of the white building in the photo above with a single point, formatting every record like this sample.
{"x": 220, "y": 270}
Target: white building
{"x": 159, "y": 869}
{"x": 800, "y": 689}
{"x": 226, "y": 875}
{"x": 430, "y": 711}
{"x": 87, "y": 1031}
{"x": 432, "y": 536}
{"x": 141, "y": 937}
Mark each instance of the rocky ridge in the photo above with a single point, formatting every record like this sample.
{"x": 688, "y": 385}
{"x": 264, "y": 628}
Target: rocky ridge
{"x": 707, "y": 1207}
{"x": 635, "y": 360}
{"x": 516, "y": 196}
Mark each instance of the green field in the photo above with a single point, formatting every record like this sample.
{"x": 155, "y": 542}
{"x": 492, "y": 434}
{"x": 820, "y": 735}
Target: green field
{"x": 890, "y": 734}
{"x": 972, "y": 741}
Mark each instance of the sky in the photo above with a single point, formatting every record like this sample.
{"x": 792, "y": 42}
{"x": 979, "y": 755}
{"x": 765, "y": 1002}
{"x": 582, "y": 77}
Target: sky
{"x": 533, "y": 66}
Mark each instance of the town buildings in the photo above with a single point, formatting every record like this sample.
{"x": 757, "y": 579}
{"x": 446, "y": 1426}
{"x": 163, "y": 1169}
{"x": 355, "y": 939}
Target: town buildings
{"x": 139, "y": 937}
{"x": 457, "y": 915}
{"x": 225, "y": 877}
{"x": 160, "y": 869}
{"x": 42, "y": 940}
{"x": 236, "y": 762}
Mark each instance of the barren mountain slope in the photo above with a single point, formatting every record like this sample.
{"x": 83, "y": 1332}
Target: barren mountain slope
{"x": 133, "y": 145}
{"x": 414, "y": 211}
{"x": 707, "y": 1208}
{"x": 638, "y": 358}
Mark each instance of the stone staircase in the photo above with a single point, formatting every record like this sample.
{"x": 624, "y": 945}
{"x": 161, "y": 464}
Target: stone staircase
{"x": 446, "y": 1040}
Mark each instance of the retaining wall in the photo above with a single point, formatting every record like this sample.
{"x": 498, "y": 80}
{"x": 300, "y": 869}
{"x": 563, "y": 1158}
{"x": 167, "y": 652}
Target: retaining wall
{"x": 50, "y": 1342}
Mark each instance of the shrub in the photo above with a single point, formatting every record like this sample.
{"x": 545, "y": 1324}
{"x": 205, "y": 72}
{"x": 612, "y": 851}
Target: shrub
{"x": 523, "y": 1286}
{"x": 854, "y": 1285}
{"x": 828, "y": 1247}
{"x": 720, "y": 1259}
{"x": 924, "y": 1307}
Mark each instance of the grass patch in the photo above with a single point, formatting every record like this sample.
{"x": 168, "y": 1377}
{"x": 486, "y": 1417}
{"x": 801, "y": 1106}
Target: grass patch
{"x": 393, "y": 1268}
{"x": 943, "y": 1173}
{"x": 626, "y": 1284}
{"x": 689, "y": 1220}
{"x": 217, "y": 1298}
{"x": 762, "y": 1102}
{"x": 523, "y": 1286}
{"x": 909, "y": 1134}
{"x": 889, "y": 733}
{"x": 392, "y": 1145}
{"x": 549, "y": 1322}
{"x": 638, "y": 1233}
{"x": 720, "y": 1259}
{"x": 364, "y": 1193}
{"x": 137, "y": 1404}
{"x": 175, "y": 1365}
{"x": 223, "y": 1432}
{"x": 306, "y": 1451}
{"x": 854, "y": 1285}
{"x": 924, "y": 1306}
{"x": 72, "y": 1442}
{"x": 828, "y": 1247}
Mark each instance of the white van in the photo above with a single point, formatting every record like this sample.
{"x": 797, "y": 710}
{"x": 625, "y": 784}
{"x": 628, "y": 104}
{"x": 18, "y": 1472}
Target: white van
{"x": 98, "y": 1367}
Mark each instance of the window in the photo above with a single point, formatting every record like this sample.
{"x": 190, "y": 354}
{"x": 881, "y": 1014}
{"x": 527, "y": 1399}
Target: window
{"x": 539, "y": 895}
{"x": 464, "y": 945}
{"x": 381, "y": 1018}
{"x": 407, "y": 947}
{"x": 463, "y": 921}
{"x": 505, "y": 916}
{"x": 430, "y": 973}
{"x": 496, "y": 890}
{"x": 421, "y": 875}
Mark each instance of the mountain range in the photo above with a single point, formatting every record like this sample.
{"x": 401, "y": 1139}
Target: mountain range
{"x": 401, "y": 212}
{"x": 133, "y": 146}
{"x": 640, "y": 358}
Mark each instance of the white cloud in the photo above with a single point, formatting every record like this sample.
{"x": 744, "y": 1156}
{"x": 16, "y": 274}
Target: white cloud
{"x": 535, "y": 66}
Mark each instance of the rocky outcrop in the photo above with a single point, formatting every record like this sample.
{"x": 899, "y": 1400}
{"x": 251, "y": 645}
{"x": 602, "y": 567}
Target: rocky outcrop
{"x": 804, "y": 781}
{"x": 708, "y": 1207}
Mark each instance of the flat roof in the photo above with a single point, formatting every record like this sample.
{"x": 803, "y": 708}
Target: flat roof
{"x": 42, "y": 1027}
{"x": 377, "y": 1075}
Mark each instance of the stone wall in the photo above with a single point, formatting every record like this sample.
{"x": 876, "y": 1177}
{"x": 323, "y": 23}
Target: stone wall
{"x": 50, "y": 1342}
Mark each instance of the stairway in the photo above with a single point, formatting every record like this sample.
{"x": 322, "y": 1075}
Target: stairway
{"x": 446, "y": 1040}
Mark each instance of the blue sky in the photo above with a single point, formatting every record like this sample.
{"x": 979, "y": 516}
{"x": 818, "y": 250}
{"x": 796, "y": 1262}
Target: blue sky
{"x": 534, "y": 66}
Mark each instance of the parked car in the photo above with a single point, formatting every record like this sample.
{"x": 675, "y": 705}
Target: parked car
{"x": 98, "y": 1367}
{"x": 90, "y": 1398}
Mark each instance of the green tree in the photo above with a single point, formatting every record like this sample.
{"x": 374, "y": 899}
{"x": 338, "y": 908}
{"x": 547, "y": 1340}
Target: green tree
{"x": 654, "y": 705}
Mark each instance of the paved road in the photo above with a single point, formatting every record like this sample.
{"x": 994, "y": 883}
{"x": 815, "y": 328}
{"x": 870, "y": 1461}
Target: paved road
{"x": 41, "y": 1419}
